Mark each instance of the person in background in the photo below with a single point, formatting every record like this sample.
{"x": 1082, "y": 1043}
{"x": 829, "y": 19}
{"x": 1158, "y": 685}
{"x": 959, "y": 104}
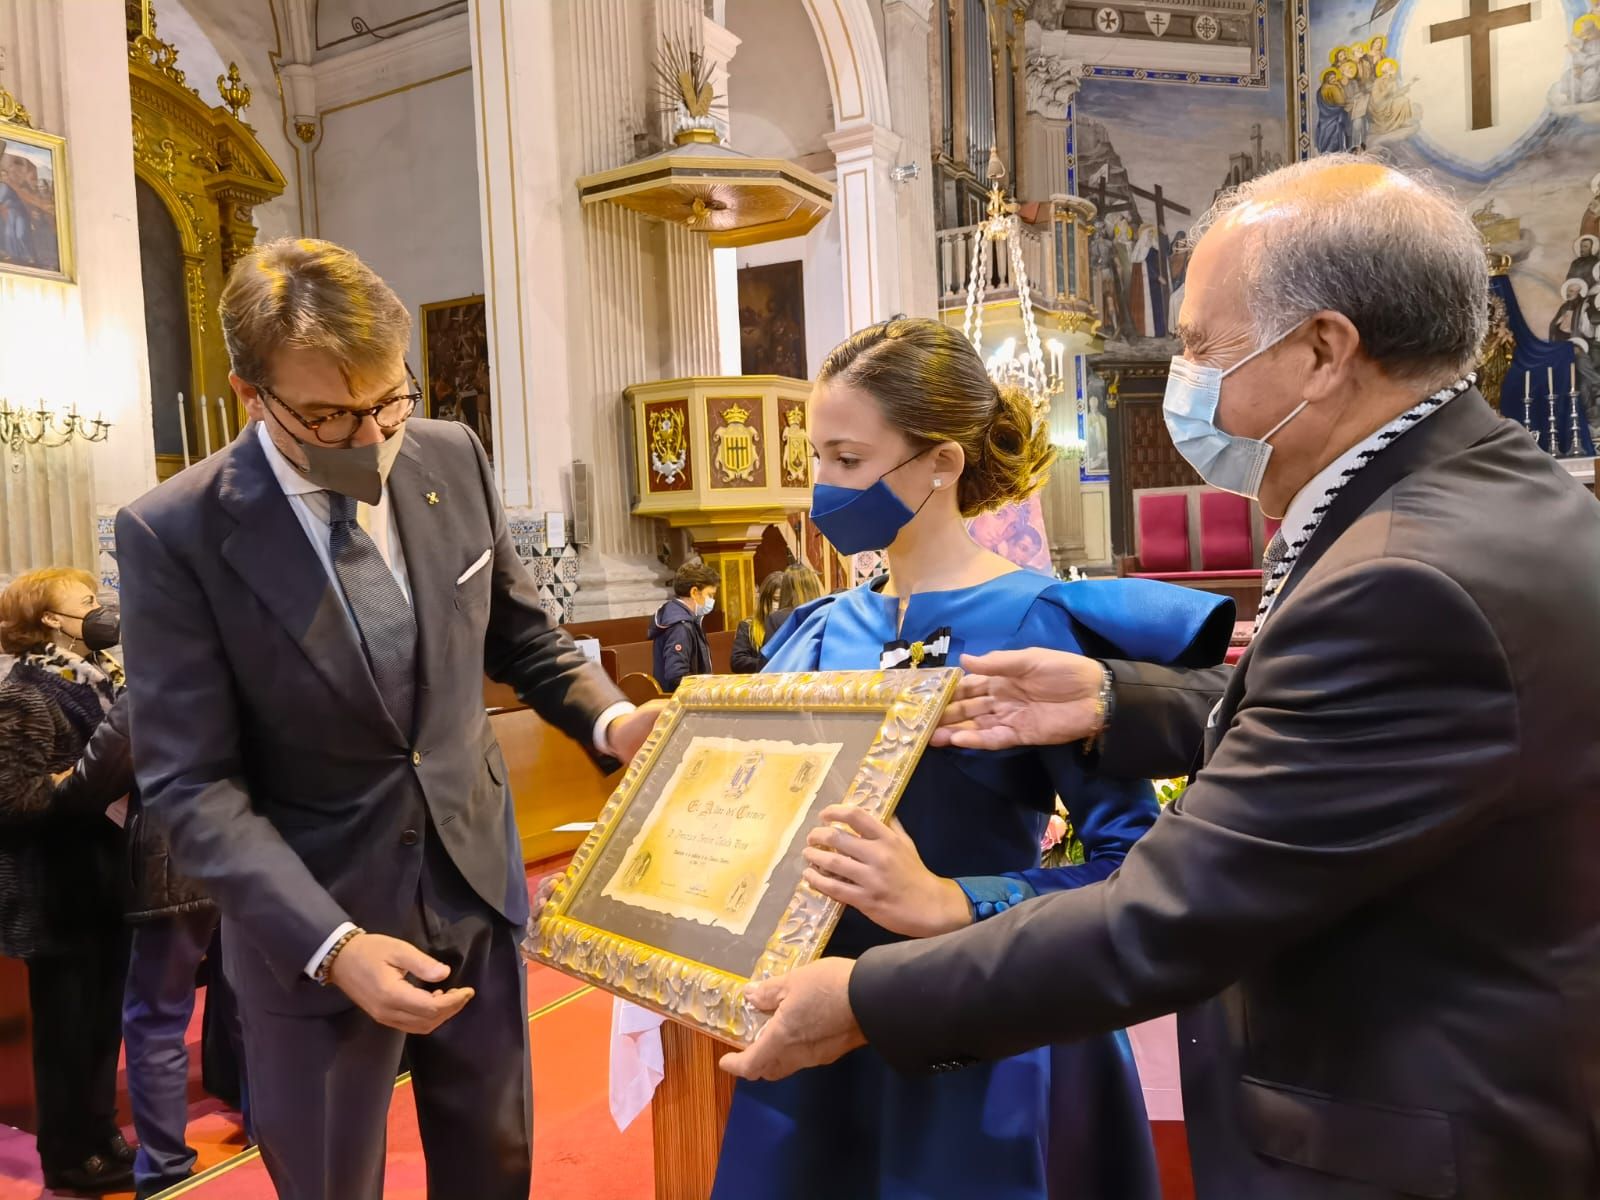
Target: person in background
{"x": 801, "y": 585}
{"x": 753, "y": 631}
{"x": 60, "y": 910}
{"x": 680, "y": 648}
{"x": 174, "y": 928}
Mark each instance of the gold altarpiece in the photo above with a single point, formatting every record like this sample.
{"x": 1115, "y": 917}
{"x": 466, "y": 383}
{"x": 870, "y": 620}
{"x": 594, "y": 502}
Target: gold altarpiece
{"x": 210, "y": 172}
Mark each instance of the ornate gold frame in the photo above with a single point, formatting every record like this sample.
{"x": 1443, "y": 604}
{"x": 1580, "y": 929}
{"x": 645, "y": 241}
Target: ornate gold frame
{"x": 210, "y": 172}
{"x": 706, "y": 997}
{"x": 15, "y": 127}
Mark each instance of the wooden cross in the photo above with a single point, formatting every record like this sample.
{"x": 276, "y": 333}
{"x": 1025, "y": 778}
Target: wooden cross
{"x": 1255, "y": 140}
{"x": 1479, "y": 23}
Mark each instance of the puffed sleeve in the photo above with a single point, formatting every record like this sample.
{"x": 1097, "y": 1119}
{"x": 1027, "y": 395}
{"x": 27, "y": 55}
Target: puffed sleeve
{"x": 797, "y": 643}
{"x": 1127, "y": 619}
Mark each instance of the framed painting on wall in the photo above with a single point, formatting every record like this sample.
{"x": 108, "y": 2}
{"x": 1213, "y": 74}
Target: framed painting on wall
{"x": 455, "y": 366}
{"x": 772, "y": 320}
{"x": 35, "y": 236}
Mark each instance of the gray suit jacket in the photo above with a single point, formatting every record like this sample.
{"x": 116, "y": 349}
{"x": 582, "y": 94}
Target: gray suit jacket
{"x": 1380, "y": 898}
{"x": 259, "y": 738}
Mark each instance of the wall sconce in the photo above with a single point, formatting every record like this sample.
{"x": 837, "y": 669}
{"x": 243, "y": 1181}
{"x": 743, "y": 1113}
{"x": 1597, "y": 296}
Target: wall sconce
{"x": 21, "y": 427}
{"x": 905, "y": 172}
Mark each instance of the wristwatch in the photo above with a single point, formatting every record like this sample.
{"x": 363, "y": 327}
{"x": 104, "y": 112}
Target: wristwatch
{"x": 1104, "y": 707}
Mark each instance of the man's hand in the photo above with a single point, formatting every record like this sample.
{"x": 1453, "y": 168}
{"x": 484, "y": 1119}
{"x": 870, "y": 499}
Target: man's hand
{"x": 875, "y": 869}
{"x": 371, "y": 970}
{"x": 1023, "y": 698}
{"x": 628, "y": 732}
{"x": 811, "y": 1024}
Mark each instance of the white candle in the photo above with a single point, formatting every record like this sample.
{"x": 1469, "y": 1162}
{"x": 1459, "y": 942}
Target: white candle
{"x": 205, "y": 424}
{"x": 1550, "y": 379}
{"x": 1527, "y": 386}
{"x": 1572, "y": 376}
{"x": 222, "y": 420}
{"x": 183, "y": 430}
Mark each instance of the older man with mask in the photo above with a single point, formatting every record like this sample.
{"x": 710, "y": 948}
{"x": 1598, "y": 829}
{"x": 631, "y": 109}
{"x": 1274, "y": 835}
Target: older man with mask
{"x": 1378, "y": 905}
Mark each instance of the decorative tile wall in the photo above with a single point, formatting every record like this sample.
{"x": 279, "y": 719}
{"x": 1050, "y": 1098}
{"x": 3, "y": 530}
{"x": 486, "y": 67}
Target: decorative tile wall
{"x": 555, "y": 571}
{"x": 106, "y": 542}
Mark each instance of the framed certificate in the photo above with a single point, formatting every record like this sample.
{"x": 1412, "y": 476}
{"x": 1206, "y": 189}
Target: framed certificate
{"x": 689, "y": 886}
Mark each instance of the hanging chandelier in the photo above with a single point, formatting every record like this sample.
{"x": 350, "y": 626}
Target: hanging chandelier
{"x": 1007, "y": 365}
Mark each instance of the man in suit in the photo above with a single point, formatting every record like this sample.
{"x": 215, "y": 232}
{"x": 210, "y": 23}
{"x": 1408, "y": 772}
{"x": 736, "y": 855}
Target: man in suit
{"x": 310, "y": 614}
{"x": 1377, "y": 907}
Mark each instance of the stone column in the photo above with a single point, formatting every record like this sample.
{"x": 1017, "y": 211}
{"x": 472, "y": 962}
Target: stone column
{"x": 868, "y": 225}
{"x": 906, "y": 31}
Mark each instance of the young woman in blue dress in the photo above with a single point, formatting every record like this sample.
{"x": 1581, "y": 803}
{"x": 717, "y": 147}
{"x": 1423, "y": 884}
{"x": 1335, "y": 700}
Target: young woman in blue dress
{"x": 911, "y": 439}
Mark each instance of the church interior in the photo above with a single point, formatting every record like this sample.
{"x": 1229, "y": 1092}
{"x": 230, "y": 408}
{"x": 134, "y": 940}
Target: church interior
{"x": 628, "y": 233}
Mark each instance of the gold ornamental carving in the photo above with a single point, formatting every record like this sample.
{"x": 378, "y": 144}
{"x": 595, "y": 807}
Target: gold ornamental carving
{"x": 669, "y": 445}
{"x": 796, "y": 449}
{"x": 235, "y": 94}
{"x": 12, "y": 111}
{"x": 306, "y": 131}
{"x": 210, "y": 173}
{"x": 736, "y": 445}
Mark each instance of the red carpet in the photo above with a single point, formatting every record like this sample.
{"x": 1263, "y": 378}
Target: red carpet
{"x": 577, "y": 1151}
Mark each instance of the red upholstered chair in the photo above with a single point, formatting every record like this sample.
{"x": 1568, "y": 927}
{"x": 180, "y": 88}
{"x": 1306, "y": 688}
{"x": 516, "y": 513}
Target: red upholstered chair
{"x": 1225, "y": 533}
{"x": 1269, "y": 526}
{"x": 1163, "y": 533}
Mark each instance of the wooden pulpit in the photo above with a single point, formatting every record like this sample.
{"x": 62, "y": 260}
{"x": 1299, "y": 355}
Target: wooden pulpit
{"x": 689, "y": 1112}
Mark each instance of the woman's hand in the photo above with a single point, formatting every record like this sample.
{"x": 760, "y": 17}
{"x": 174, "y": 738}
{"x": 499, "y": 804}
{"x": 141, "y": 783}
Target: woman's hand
{"x": 876, "y": 870}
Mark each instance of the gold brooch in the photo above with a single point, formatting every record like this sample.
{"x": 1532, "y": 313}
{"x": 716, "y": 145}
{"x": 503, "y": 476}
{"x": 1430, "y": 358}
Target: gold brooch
{"x": 433, "y": 497}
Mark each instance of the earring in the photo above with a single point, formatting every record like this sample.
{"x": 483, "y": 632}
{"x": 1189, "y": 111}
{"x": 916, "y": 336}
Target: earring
{"x": 937, "y": 482}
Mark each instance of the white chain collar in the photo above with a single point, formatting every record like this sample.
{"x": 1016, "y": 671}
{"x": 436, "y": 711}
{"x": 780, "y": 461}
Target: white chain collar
{"x": 1361, "y": 454}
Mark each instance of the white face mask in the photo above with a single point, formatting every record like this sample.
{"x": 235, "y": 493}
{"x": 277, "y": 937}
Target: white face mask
{"x": 705, "y": 609}
{"x": 1224, "y": 460}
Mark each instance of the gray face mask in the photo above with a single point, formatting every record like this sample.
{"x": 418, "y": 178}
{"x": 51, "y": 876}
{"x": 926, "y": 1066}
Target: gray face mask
{"x": 356, "y": 471}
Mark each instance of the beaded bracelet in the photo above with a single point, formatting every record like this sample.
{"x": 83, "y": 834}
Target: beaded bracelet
{"x": 325, "y": 967}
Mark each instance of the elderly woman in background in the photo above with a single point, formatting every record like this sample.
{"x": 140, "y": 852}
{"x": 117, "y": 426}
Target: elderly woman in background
{"x": 60, "y": 910}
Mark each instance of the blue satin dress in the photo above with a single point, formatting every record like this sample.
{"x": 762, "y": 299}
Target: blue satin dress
{"x": 1052, "y": 1124}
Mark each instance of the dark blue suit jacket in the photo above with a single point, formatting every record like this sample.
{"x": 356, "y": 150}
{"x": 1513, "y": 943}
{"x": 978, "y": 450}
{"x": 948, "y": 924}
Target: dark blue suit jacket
{"x": 259, "y": 738}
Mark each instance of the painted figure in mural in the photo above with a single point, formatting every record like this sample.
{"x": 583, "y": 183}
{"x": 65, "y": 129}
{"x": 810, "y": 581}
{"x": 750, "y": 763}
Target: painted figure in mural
{"x": 1589, "y": 223}
{"x": 1333, "y": 118}
{"x": 1147, "y": 275}
{"x": 1581, "y": 80}
{"x": 1585, "y": 258}
{"x": 1122, "y": 247}
{"x": 1356, "y": 102}
{"x": 1572, "y": 317}
{"x": 20, "y": 200}
{"x": 1103, "y": 261}
{"x": 1389, "y": 110}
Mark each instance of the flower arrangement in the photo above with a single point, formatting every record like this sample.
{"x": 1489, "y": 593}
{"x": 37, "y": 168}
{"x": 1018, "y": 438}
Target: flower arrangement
{"x": 1060, "y": 846}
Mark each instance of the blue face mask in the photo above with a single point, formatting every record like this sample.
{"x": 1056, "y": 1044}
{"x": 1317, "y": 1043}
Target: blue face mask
{"x": 1224, "y": 460}
{"x": 857, "y": 519}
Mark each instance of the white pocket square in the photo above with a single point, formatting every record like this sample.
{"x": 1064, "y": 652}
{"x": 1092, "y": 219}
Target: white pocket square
{"x": 483, "y": 561}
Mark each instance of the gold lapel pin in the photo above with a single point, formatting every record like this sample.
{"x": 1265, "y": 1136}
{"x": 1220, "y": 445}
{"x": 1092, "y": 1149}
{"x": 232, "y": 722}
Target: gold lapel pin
{"x": 433, "y": 497}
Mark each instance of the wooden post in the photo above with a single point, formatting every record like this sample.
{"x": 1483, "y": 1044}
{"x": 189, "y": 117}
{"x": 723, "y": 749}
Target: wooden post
{"x": 688, "y": 1113}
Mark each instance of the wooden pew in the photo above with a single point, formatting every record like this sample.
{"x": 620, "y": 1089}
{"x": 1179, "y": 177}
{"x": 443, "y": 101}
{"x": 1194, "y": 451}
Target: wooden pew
{"x": 553, "y": 782}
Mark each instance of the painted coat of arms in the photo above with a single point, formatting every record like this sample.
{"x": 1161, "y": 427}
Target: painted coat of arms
{"x": 736, "y": 444}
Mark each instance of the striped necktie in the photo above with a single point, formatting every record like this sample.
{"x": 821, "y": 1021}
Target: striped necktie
{"x": 384, "y": 618}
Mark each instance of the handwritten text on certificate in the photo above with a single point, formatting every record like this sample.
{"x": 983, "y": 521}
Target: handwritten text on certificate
{"x": 724, "y": 822}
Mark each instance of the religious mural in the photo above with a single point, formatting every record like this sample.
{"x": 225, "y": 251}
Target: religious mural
{"x": 1152, "y": 156}
{"x": 1501, "y": 103}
